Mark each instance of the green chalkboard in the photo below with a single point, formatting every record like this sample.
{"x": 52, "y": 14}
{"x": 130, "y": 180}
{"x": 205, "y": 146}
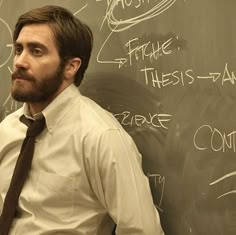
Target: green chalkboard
{"x": 166, "y": 70}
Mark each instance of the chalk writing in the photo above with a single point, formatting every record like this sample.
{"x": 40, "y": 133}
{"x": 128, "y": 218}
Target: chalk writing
{"x": 136, "y": 50}
{"x": 133, "y": 3}
{"x": 227, "y": 176}
{"x": 117, "y": 24}
{"x": 82, "y": 8}
{"x": 153, "y": 77}
{"x": 10, "y": 46}
{"x": 156, "y": 120}
{"x": 226, "y": 76}
{"x": 216, "y": 140}
{"x": 151, "y": 50}
{"x": 119, "y": 61}
{"x": 159, "y": 185}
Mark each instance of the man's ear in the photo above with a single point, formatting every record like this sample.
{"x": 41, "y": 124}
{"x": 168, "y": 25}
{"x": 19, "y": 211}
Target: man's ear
{"x": 71, "y": 67}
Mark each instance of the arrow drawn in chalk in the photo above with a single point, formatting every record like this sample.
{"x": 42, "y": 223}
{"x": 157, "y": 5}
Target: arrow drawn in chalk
{"x": 119, "y": 61}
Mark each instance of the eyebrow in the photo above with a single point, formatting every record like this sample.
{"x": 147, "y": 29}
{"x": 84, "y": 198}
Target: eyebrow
{"x": 32, "y": 45}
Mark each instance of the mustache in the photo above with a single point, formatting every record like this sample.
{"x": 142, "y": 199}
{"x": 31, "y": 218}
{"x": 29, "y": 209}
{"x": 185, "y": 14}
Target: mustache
{"x": 22, "y": 74}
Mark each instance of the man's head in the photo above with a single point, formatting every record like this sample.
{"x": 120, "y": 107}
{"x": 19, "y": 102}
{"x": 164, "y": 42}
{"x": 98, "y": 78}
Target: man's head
{"x": 72, "y": 37}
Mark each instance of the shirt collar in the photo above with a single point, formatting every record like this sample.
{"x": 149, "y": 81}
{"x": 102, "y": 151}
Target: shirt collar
{"x": 58, "y": 108}
{"x": 27, "y": 114}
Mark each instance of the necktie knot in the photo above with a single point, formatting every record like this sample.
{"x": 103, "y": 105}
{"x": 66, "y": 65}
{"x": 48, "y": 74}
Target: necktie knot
{"x": 35, "y": 127}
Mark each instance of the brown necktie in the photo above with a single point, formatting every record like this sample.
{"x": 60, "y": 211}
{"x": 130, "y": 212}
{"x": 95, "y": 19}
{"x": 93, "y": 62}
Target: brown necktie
{"x": 20, "y": 173}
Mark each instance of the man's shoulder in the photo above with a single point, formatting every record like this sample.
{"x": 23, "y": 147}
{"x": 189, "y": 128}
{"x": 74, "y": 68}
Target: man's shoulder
{"x": 96, "y": 116}
{"x": 12, "y": 118}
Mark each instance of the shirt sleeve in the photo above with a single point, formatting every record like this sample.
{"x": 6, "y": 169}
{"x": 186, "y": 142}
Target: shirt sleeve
{"x": 122, "y": 187}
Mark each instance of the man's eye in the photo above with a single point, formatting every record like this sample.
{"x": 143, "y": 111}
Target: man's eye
{"x": 18, "y": 50}
{"x": 37, "y": 52}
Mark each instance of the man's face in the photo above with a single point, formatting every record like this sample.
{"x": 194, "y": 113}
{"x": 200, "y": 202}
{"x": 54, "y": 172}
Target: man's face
{"x": 38, "y": 74}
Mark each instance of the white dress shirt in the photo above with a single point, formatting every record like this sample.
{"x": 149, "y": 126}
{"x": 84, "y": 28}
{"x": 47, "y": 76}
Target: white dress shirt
{"x": 86, "y": 173}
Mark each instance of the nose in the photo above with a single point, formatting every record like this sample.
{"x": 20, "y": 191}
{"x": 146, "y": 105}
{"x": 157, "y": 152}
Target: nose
{"x": 21, "y": 61}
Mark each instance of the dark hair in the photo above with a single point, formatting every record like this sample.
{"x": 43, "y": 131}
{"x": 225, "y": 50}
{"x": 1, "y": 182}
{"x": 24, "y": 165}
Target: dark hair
{"x": 73, "y": 38}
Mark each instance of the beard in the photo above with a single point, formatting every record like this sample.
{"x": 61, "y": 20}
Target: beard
{"x": 41, "y": 89}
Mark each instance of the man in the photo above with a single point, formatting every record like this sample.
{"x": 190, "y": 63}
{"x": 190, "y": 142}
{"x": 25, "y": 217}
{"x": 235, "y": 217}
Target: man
{"x": 85, "y": 175}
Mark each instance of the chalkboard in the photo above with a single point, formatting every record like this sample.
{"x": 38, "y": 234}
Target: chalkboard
{"x": 166, "y": 70}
